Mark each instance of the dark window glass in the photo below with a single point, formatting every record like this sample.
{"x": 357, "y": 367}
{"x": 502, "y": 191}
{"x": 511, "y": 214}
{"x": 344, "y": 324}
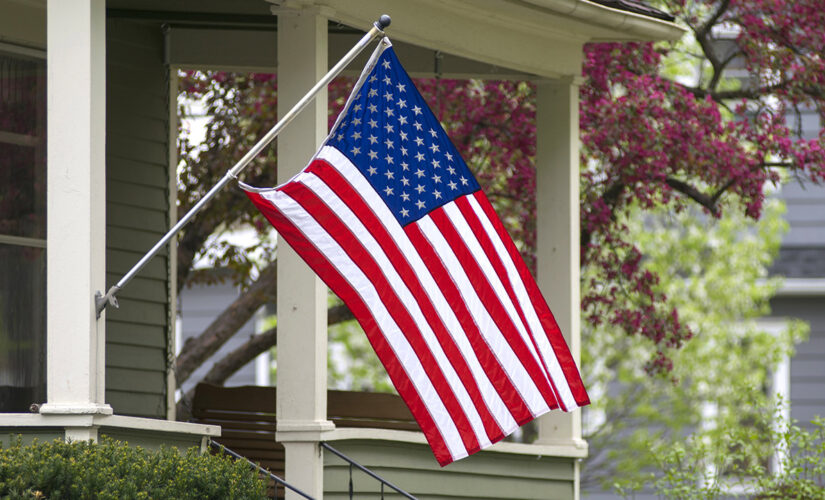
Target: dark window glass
{"x": 22, "y": 327}
{"x": 22, "y": 232}
{"x": 22, "y": 147}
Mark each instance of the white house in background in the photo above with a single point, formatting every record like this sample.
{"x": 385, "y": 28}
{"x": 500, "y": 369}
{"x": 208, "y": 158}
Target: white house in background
{"x": 97, "y": 78}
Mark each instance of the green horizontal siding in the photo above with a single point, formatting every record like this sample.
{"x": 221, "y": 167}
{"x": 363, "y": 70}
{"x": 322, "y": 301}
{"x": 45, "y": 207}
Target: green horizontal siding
{"x": 137, "y": 215}
{"x": 131, "y": 380}
{"x": 119, "y": 261}
{"x": 129, "y": 170}
{"x": 151, "y": 440}
{"x": 126, "y": 333}
{"x": 130, "y": 109}
{"x": 134, "y": 55}
{"x": 143, "y": 150}
{"x": 27, "y": 435}
{"x": 139, "y": 312}
{"x": 412, "y": 467}
{"x": 139, "y": 127}
{"x": 151, "y": 289}
{"x": 137, "y": 404}
{"x": 137, "y": 357}
{"x": 129, "y": 194}
{"x": 142, "y": 218}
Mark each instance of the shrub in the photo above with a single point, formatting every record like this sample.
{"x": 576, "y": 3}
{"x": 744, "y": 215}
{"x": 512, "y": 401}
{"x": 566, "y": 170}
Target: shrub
{"x": 691, "y": 470}
{"x": 114, "y": 470}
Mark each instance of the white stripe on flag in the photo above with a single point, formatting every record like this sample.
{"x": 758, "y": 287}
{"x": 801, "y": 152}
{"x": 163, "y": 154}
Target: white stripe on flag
{"x": 404, "y": 294}
{"x": 508, "y": 359}
{"x": 469, "y": 238}
{"x": 547, "y": 352}
{"x": 390, "y": 330}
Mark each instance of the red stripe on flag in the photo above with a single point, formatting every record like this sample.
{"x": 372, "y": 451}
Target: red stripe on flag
{"x": 489, "y": 250}
{"x": 493, "y": 257}
{"x": 359, "y": 255}
{"x": 347, "y": 193}
{"x": 327, "y": 272}
{"x": 568, "y": 365}
{"x": 498, "y": 376}
{"x": 495, "y": 307}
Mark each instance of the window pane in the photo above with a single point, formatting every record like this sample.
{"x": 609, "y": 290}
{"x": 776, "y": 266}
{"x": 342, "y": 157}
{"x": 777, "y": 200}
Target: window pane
{"x": 22, "y": 147}
{"x": 22, "y": 327}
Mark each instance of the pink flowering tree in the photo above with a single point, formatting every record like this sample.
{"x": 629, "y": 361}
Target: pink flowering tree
{"x": 649, "y": 140}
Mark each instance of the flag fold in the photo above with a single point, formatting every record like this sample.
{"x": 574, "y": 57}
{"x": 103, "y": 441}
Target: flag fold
{"x": 392, "y": 220}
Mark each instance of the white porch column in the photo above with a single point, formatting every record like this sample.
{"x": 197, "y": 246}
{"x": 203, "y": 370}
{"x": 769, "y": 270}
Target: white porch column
{"x": 302, "y": 297}
{"x": 76, "y": 204}
{"x": 557, "y": 226}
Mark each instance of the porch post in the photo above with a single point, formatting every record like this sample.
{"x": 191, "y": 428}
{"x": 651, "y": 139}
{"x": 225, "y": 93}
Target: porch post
{"x": 557, "y": 229}
{"x": 302, "y": 297}
{"x": 76, "y": 204}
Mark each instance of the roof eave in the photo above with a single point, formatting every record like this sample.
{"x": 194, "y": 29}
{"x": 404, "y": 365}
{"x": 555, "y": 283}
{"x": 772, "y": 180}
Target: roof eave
{"x": 614, "y": 24}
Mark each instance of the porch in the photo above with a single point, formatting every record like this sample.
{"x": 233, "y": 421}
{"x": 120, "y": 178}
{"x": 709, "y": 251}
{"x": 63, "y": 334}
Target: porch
{"x": 378, "y": 432}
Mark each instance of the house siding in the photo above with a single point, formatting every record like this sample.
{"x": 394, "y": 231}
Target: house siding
{"x": 802, "y": 256}
{"x": 137, "y": 215}
{"x": 808, "y": 363}
{"x": 485, "y": 475}
{"x": 806, "y": 215}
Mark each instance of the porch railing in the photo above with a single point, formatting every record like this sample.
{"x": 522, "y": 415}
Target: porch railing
{"x": 249, "y": 424}
{"x": 280, "y": 481}
{"x": 263, "y": 471}
{"x": 353, "y": 463}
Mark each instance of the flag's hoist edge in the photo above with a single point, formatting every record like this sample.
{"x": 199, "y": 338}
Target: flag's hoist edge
{"x": 446, "y": 302}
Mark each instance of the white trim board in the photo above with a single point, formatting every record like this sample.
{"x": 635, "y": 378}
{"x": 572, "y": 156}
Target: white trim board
{"x": 804, "y": 287}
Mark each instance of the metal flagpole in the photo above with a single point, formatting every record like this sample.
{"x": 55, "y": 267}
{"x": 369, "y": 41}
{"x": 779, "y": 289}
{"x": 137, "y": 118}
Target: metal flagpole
{"x": 101, "y": 301}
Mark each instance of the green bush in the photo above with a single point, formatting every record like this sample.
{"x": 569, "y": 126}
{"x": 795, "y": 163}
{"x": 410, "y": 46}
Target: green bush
{"x": 114, "y": 470}
{"x": 707, "y": 467}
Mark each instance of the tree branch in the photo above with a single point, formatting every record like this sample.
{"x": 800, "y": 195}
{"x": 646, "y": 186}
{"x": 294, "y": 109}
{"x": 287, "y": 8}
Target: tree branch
{"x": 708, "y": 25}
{"x": 702, "y": 34}
{"x": 246, "y": 352}
{"x": 722, "y": 190}
{"x": 612, "y": 194}
{"x": 610, "y": 197}
{"x": 709, "y": 202}
{"x": 720, "y": 70}
{"x": 198, "y": 349}
{"x": 193, "y": 238}
{"x": 752, "y": 93}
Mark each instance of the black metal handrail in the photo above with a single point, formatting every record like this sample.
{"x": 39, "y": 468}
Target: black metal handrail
{"x": 260, "y": 469}
{"x": 353, "y": 463}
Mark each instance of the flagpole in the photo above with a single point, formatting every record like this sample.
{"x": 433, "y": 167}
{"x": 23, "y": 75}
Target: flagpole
{"x": 101, "y": 301}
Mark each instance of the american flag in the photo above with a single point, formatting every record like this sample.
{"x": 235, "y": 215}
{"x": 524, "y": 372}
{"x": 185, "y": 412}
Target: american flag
{"x": 390, "y": 217}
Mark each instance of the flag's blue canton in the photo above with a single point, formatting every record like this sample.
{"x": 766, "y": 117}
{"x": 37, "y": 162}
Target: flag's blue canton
{"x": 394, "y": 139}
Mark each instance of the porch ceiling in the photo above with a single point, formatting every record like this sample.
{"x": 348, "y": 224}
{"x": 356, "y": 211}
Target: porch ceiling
{"x": 500, "y": 38}
{"x": 540, "y": 37}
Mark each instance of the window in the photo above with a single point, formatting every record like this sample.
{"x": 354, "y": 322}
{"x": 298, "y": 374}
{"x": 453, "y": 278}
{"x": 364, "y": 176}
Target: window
{"x": 22, "y": 230}
{"x": 773, "y": 455}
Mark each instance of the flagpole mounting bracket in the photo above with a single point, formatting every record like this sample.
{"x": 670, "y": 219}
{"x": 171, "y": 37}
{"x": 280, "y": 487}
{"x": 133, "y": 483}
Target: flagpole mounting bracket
{"x": 101, "y": 301}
